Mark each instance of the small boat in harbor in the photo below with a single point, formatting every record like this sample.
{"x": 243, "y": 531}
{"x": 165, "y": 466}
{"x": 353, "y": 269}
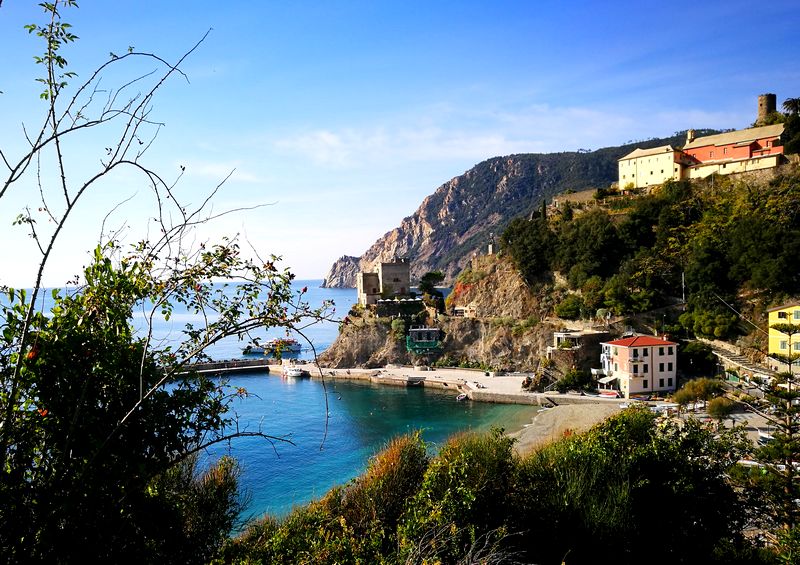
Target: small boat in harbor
{"x": 291, "y": 371}
{"x": 461, "y": 397}
{"x": 277, "y": 346}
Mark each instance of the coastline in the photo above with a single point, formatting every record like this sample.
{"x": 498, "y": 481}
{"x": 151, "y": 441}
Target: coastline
{"x": 558, "y": 415}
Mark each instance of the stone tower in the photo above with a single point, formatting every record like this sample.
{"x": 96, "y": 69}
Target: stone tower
{"x": 766, "y": 105}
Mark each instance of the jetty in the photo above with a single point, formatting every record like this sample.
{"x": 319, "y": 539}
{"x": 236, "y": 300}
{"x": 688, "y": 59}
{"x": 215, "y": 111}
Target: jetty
{"x": 231, "y": 366}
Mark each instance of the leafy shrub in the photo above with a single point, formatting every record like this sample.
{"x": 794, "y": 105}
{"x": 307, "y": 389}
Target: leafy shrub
{"x": 570, "y": 308}
{"x": 462, "y": 497}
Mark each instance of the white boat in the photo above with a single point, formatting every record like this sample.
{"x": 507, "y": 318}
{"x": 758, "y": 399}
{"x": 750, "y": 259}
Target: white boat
{"x": 274, "y": 346}
{"x": 291, "y": 371}
{"x": 462, "y": 396}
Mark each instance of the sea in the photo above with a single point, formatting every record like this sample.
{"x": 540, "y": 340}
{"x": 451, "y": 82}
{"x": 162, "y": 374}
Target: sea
{"x": 324, "y": 432}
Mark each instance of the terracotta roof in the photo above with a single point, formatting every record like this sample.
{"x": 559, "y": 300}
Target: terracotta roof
{"x": 784, "y": 306}
{"x": 645, "y": 152}
{"x": 738, "y": 136}
{"x": 640, "y": 341}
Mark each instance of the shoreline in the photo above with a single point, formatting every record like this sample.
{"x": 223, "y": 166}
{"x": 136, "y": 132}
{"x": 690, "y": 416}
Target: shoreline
{"x": 558, "y": 415}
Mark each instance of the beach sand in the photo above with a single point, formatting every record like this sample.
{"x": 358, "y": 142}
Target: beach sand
{"x": 555, "y": 423}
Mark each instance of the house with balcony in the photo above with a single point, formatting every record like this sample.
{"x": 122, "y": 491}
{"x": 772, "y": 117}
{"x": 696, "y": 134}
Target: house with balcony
{"x": 782, "y": 344}
{"x": 638, "y": 365}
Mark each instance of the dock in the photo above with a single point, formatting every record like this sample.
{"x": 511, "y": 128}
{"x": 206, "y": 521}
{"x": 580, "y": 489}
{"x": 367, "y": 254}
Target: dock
{"x": 231, "y": 366}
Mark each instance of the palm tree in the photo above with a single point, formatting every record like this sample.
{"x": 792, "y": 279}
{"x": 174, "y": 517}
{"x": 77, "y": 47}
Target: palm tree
{"x": 791, "y": 106}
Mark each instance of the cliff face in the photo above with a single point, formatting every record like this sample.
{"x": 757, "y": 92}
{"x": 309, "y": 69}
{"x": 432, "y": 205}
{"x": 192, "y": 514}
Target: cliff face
{"x": 342, "y": 273}
{"x": 506, "y": 334}
{"x": 455, "y": 221}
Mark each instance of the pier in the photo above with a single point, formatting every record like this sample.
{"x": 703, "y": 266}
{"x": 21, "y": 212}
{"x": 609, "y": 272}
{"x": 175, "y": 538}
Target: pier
{"x": 231, "y": 366}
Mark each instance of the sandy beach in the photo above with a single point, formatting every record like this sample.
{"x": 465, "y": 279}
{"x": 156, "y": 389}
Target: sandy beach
{"x": 564, "y": 413}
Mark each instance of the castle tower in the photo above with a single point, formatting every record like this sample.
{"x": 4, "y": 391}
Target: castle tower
{"x": 767, "y": 104}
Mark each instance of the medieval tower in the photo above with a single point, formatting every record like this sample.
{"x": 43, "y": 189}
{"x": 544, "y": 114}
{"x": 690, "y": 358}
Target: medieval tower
{"x": 766, "y": 106}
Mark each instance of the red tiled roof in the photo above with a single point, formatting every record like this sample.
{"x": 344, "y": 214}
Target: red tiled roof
{"x": 640, "y": 341}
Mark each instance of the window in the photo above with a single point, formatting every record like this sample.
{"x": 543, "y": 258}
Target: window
{"x": 636, "y": 369}
{"x": 644, "y": 383}
{"x": 615, "y": 350}
{"x": 669, "y": 350}
{"x": 783, "y": 344}
{"x": 783, "y": 315}
{"x": 662, "y": 171}
{"x": 797, "y": 346}
{"x": 645, "y": 368}
{"x": 645, "y": 352}
{"x": 660, "y": 383}
{"x": 661, "y": 367}
{"x": 669, "y": 381}
{"x": 711, "y": 154}
{"x": 796, "y": 314}
{"x": 616, "y": 367}
{"x": 635, "y": 353}
{"x": 669, "y": 366}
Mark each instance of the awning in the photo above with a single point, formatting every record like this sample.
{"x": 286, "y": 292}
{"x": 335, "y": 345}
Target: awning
{"x": 606, "y": 380}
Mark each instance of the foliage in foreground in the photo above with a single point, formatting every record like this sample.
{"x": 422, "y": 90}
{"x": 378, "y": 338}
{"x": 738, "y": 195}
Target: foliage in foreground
{"x": 634, "y": 489}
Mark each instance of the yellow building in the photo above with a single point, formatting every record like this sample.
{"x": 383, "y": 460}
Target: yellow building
{"x": 642, "y": 168}
{"x": 781, "y": 343}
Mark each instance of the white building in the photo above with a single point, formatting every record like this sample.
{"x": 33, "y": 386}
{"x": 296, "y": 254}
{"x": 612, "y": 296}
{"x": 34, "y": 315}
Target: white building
{"x": 639, "y": 365}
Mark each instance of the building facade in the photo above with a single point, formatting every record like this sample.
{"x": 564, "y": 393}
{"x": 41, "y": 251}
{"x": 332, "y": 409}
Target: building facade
{"x": 738, "y": 151}
{"x": 392, "y": 279}
{"x": 783, "y": 344}
{"x": 642, "y": 168}
{"x": 639, "y": 365}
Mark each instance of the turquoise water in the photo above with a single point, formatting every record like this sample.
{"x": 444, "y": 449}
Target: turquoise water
{"x": 363, "y": 417}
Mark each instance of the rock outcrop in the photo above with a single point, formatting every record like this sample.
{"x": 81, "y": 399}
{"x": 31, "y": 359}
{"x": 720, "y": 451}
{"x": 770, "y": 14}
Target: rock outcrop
{"x": 342, "y": 273}
{"x": 507, "y": 333}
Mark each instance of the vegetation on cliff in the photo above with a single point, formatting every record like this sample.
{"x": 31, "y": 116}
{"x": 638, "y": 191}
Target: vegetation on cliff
{"x": 732, "y": 240}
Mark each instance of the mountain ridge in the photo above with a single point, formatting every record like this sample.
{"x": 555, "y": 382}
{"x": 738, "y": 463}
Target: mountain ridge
{"x": 454, "y": 222}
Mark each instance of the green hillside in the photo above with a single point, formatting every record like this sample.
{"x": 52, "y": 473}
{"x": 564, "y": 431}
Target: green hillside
{"x": 731, "y": 240}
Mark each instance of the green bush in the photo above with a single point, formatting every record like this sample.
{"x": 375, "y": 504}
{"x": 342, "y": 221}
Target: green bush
{"x": 570, "y": 308}
{"x": 463, "y": 497}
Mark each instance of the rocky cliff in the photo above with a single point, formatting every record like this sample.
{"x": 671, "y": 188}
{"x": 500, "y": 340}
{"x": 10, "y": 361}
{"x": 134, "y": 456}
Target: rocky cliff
{"x": 506, "y": 333}
{"x": 455, "y": 221}
{"x": 342, "y": 273}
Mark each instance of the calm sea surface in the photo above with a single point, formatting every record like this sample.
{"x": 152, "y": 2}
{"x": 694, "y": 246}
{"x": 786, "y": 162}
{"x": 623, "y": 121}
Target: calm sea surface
{"x": 325, "y": 452}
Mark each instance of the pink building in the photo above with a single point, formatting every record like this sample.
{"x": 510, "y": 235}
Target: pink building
{"x": 638, "y": 365}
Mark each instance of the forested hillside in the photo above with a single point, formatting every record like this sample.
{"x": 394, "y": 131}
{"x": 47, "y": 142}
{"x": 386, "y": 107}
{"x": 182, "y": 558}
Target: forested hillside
{"x": 723, "y": 240}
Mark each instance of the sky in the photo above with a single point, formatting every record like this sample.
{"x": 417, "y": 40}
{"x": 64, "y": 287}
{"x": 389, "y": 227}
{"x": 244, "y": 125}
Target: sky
{"x": 341, "y": 117}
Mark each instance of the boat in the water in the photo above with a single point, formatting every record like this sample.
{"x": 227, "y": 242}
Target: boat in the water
{"x": 461, "y": 397}
{"x": 277, "y": 346}
{"x": 291, "y": 371}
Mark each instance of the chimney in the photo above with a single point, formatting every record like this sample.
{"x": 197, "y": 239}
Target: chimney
{"x": 689, "y": 136}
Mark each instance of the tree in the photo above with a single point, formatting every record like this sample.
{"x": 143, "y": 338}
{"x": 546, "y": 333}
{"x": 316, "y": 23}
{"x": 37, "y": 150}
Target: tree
{"x": 428, "y": 282}
{"x": 99, "y": 425}
{"x": 791, "y": 106}
{"x": 720, "y": 408}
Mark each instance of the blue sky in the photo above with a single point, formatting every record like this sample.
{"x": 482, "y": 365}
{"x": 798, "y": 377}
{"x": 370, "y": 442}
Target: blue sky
{"x": 345, "y": 115}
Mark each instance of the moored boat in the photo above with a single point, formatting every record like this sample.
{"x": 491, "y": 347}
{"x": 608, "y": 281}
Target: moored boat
{"x": 276, "y": 346}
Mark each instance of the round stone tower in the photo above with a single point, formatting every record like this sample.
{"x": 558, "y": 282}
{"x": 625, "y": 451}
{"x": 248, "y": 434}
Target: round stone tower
{"x": 766, "y": 105}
